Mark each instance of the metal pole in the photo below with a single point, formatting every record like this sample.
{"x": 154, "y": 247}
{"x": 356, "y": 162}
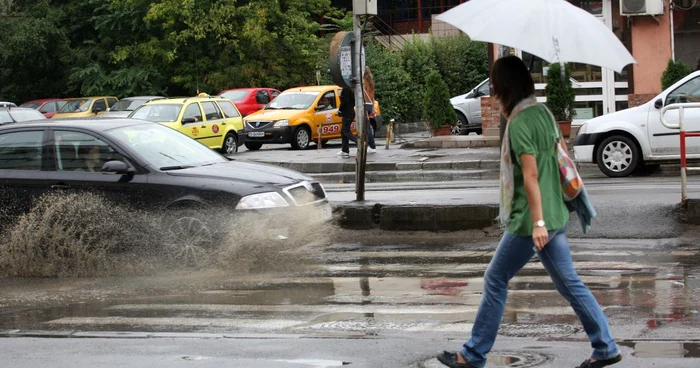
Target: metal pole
{"x": 671, "y": 5}
{"x": 684, "y": 179}
{"x": 359, "y": 112}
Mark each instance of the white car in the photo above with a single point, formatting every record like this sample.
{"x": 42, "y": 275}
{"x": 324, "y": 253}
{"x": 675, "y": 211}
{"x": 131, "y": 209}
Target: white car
{"x": 624, "y": 141}
{"x": 468, "y": 109}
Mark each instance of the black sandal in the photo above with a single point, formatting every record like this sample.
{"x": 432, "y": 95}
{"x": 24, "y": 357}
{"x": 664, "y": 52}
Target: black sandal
{"x": 450, "y": 360}
{"x": 600, "y": 363}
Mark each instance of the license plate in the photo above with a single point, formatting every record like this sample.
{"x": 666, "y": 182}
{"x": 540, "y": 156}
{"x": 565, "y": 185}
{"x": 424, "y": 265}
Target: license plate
{"x": 256, "y": 134}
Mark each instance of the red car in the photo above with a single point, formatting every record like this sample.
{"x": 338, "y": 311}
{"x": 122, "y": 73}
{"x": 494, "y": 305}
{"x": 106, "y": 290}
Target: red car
{"x": 250, "y": 100}
{"x": 47, "y": 106}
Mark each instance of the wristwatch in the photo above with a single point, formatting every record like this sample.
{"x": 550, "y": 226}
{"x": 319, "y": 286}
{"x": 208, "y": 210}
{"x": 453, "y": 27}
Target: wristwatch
{"x": 539, "y": 223}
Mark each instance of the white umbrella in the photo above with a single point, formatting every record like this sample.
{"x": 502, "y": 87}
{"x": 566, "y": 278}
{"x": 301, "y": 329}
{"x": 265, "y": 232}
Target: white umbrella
{"x": 553, "y": 30}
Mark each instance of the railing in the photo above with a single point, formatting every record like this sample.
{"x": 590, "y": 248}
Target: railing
{"x": 683, "y": 135}
{"x": 386, "y": 30}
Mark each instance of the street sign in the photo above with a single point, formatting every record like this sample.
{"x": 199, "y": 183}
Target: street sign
{"x": 340, "y": 60}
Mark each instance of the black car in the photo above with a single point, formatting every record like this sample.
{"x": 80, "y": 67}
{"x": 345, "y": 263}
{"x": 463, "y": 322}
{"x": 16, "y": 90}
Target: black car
{"x": 150, "y": 167}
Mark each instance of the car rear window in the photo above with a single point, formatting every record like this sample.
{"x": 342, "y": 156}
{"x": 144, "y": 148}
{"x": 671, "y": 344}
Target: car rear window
{"x": 229, "y": 110}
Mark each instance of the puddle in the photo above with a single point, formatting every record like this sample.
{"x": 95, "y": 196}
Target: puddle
{"x": 645, "y": 349}
{"x": 511, "y": 359}
{"x": 317, "y": 363}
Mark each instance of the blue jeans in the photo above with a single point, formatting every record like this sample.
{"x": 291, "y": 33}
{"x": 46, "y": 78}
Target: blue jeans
{"x": 512, "y": 254}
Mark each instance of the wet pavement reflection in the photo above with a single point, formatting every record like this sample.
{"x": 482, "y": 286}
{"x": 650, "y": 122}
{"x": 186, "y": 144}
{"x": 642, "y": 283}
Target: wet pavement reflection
{"x": 648, "y": 290}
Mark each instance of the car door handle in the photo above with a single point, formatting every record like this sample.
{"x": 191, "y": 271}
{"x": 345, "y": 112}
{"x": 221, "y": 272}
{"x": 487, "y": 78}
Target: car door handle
{"x": 60, "y": 186}
{"x": 223, "y": 123}
{"x": 203, "y": 126}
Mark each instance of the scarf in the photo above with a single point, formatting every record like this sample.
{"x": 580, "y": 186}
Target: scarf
{"x": 507, "y": 186}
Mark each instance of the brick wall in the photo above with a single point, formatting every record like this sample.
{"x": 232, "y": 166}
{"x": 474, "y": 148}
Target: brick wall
{"x": 490, "y": 116}
{"x": 639, "y": 99}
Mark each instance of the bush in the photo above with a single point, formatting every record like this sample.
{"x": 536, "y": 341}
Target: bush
{"x": 463, "y": 63}
{"x": 394, "y": 88}
{"x": 560, "y": 93}
{"x": 674, "y": 72}
{"x": 437, "y": 109}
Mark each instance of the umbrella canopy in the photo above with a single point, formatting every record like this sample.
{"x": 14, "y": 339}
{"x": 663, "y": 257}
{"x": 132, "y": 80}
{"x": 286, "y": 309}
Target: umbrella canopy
{"x": 553, "y": 30}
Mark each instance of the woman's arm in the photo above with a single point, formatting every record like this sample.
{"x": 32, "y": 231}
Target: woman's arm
{"x": 534, "y": 199}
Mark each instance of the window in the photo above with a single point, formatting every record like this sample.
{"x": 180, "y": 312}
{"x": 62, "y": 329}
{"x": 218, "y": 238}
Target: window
{"x": 328, "y": 100}
{"x": 688, "y": 92}
{"x": 484, "y": 90}
{"x": 193, "y": 112}
{"x": 61, "y": 104}
{"x": 229, "y": 110}
{"x": 48, "y": 107}
{"x": 77, "y": 151}
{"x": 157, "y": 112}
{"x": 21, "y": 150}
{"x": 99, "y": 105}
{"x": 111, "y": 101}
{"x": 211, "y": 112}
{"x": 262, "y": 97}
{"x": 274, "y": 94}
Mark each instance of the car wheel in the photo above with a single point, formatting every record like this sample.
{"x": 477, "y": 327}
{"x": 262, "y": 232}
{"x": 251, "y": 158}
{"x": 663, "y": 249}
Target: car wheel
{"x": 189, "y": 239}
{"x": 302, "y": 138}
{"x": 251, "y": 146}
{"x": 617, "y": 156}
{"x": 479, "y": 131}
{"x": 230, "y": 145}
{"x": 459, "y": 128}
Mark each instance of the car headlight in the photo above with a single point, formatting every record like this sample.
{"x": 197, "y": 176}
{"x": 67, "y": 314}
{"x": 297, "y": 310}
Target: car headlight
{"x": 583, "y": 128}
{"x": 281, "y": 123}
{"x": 262, "y": 200}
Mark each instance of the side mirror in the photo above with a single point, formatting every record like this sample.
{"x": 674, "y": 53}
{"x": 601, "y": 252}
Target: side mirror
{"x": 116, "y": 167}
{"x": 658, "y": 104}
{"x": 96, "y": 110}
{"x": 188, "y": 120}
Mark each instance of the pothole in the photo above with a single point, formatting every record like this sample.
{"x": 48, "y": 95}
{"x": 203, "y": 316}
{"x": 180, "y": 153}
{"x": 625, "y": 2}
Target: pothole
{"x": 513, "y": 359}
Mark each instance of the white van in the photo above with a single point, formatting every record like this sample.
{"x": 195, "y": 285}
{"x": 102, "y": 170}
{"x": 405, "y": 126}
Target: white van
{"x": 624, "y": 141}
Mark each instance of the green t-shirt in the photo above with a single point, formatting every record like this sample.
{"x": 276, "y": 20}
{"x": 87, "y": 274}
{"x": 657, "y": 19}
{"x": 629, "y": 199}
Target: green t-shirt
{"x": 533, "y": 132}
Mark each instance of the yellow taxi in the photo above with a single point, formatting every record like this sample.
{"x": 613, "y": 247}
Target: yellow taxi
{"x": 295, "y": 116}
{"x": 212, "y": 121}
{"x": 84, "y": 107}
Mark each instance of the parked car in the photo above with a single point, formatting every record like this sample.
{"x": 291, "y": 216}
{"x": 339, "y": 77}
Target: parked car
{"x": 213, "y": 121}
{"x": 294, "y": 116}
{"x": 250, "y": 100}
{"x": 625, "y": 141}
{"x": 85, "y": 107}
{"x": 19, "y": 114}
{"x": 47, "y": 106}
{"x": 126, "y": 105}
{"x": 468, "y": 109}
{"x": 153, "y": 168}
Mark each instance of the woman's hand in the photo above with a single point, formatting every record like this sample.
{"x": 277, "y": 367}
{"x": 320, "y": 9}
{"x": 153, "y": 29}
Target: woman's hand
{"x": 540, "y": 237}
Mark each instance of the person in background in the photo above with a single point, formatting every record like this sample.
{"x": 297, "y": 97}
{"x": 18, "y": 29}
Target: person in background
{"x": 347, "y": 112}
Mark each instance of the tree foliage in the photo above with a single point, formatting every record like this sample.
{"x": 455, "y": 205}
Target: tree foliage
{"x": 675, "y": 71}
{"x": 437, "y": 109}
{"x": 561, "y": 95}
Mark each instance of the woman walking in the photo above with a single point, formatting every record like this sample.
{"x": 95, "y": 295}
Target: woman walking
{"x": 535, "y": 215}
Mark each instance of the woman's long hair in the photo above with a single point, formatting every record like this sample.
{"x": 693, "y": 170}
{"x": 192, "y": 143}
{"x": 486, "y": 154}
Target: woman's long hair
{"x": 511, "y": 82}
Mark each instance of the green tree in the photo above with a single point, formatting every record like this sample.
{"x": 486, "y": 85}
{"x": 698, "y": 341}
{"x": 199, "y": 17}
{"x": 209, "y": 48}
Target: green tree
{"x": 418, "y": 60}
{"x": 437, "y": 109}
{"x": 463, "y": 63}
{"x": 393, "y": 84}
{"x": 560, "y": 93}
{"x": 675, "y": 71}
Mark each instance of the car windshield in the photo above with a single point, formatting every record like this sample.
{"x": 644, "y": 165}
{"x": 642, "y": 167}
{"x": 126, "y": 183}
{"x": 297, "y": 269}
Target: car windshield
{"x": 235, "y": 95}
{"x": 79, "y": 105}
{"x": 128, "y": 104}
{"x": 157, "y": 112}
{"x": 5, "y": 117}
{"x": 293, "y": 101}
{"x": 163, "y": 147}
{"x": 26, "y": 115}
{"x": 30, "y": 105}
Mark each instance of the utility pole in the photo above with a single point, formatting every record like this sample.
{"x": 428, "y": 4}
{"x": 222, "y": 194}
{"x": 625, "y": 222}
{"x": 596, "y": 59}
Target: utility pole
{"x": 361, "y": 157}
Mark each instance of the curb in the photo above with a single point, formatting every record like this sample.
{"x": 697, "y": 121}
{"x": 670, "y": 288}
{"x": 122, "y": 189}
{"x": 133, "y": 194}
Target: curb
{"x": 408, "y": 176}
{"x": 692, "y": 211}
{"x": 339, "y": 167}
{"x": 361, "y": 216}
{"x": 453, "y": 143}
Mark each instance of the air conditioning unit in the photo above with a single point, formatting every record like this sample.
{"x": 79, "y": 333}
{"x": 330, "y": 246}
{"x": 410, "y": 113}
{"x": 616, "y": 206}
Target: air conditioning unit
{"x": 641, "y": 7}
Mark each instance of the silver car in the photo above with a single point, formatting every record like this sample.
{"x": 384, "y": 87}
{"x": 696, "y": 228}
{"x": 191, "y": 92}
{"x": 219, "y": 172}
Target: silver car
{"x": 468, "y": 109}
{"x": 126, "y": 105}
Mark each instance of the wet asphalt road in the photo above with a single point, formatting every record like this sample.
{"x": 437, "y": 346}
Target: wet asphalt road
{"x": 370, "y": 299}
